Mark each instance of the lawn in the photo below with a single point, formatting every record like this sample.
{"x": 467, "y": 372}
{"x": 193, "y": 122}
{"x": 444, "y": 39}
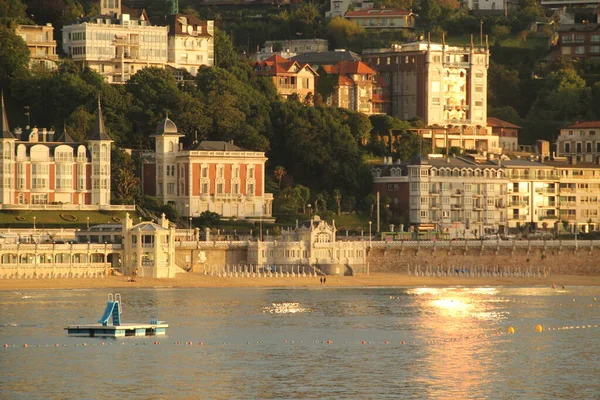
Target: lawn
{"x": 53, "y": 219}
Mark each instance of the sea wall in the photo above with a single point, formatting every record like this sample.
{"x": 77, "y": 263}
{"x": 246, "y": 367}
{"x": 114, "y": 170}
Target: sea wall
{"x": 554, "y": 257}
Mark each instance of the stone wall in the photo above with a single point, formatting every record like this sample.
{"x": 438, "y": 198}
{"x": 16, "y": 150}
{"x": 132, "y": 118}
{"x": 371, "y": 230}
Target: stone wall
{"x": 559, "y": 258}
{"x": 581, "y": 261}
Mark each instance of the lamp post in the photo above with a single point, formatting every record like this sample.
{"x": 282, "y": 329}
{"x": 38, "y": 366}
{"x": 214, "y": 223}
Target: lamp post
{"x": 370, "y": 223}
{"x": 88, "y": 222}
{"x": 34, "y": 218}
{"x": 309, "y": 209}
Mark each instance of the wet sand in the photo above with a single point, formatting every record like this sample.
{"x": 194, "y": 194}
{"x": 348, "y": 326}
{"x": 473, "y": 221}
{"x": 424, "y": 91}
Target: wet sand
{"x": 196, "y": 280}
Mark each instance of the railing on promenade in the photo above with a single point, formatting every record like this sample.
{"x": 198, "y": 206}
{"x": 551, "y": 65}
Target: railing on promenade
{"x": 54, "y": 270}
{"x": 446, "y": 244}
{"x": 438, "y": 244}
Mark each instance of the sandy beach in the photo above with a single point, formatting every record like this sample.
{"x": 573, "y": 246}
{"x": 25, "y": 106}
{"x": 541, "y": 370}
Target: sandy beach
{"x": 193, "y": 280}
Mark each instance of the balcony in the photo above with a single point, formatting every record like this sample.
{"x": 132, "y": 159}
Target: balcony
{"x": 456, "y": 206}
{"x": 567, "y": 204}
{"x": 518, "y": 218}
{"x": 546, "y": 205}
{"x": 518, "y": 204}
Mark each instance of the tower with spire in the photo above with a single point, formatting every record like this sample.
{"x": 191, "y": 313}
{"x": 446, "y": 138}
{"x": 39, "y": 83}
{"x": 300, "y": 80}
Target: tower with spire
{"x": 7, "y": 157}
{"x": 99, "y": 144}
{"x": 166, "y": 150}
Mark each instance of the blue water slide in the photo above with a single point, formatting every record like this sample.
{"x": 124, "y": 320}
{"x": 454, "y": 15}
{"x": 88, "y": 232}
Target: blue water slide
{"x": 107, "y": 313}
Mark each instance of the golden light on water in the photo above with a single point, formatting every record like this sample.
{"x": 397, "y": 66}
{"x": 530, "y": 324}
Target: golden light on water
{"x": 453, "y": 307}
{"x": 456, "y": 319}
{"x": 284, "y": 308}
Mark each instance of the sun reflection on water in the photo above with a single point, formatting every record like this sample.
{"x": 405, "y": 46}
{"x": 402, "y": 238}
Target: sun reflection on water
{"x": 284, "y": 308}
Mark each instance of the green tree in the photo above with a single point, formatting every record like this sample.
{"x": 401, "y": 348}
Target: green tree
{"x": 128, "y": 185}
{"x": 303, "y": 195}
{"x": 15, "y": 56}
{"x": 225, "y": 55}
{"x": 337, "y": 196}
{"x": 13, "y": 12}
{"x": 279, "y": 174}
{"x": 343, "y": 31}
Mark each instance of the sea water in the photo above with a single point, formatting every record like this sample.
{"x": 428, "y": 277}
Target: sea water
{"x": 319, "y": 343}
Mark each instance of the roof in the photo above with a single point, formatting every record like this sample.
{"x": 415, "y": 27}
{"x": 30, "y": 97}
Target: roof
{"x": 134, "y": 13}
{"x": 584, "y": 125}
{"x": 98, "y": 132}
{"x": 578, "y": 27}
{"x": 177, "y": 21}
{"x": 65, "y": 137}
{"x": 148, "y": 227}
{"x": 276, "y": 64}
{"x": 326, "y": 57}
{"x": 459, "y": 162}
{"x": 5, "y": 132}
{"x": 215, "y": 145}
{"x": 166, "y": 128}
{"x": 350, "y": 67}
{"x": 386, "y": 12}
{"x": 345, "y": 81}
{"x": 498, "y": 123}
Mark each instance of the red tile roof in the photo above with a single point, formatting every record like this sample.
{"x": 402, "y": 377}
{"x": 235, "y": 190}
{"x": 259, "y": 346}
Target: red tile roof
{"x": 351, "y": 67}
{"x": 498, "y": 123}
{"x": 386, "y": 12}
{"x": 345, "y": 81}
{"x": 585, "y": 124}
{"x": 280, "y": 65}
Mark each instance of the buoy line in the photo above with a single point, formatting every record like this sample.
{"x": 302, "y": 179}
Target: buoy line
{"x": 511, "y": 330}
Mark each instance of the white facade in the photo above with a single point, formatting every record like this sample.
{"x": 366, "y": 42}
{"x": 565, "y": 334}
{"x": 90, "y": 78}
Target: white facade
{"x": 149, "y": 249}
{"x": 486, "y": 5}
{"x": 338, "y": 8}
{"x": 580, "y": 140}
{"x": 313, "y": 244}
{"x": 461, "y": 198}
{"x": 116, "y": 48}
{"x": 191, "y": 43}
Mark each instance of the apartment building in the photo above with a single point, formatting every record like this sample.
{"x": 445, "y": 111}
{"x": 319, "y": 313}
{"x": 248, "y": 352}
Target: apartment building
{"x": 41, "y": 44}
{"x": 441, "y": 84}
{"x": 385, "y": 19}
{"x": 578, "y": 41}
{"x": 474, "y": 195}
{"x": 40, "y": 166}
{"x": 289, "y": 77}
{"x": 191, "y": 43}
{"x": 117, "y": 43}
{"x": 298, "y": 46}
{"x": 580, "y": 140}
{"x": 207, "y": 176}
{"x": 463, "y": 197}
{"x": 558, "y": 194}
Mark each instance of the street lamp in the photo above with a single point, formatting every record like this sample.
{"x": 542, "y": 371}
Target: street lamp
{"x": 309, "y": 209}
{"x": 88, "y": 222}
{"x": 34, "y": 218}
{"x": 370, "y": 235}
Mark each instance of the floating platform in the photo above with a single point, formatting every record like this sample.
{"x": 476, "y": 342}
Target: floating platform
{"x": 117, "y": 329}
{"x": 135, "y": 329}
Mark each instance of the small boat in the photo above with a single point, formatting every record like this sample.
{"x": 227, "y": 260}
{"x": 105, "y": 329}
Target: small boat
{"x": 113, "y": 311}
